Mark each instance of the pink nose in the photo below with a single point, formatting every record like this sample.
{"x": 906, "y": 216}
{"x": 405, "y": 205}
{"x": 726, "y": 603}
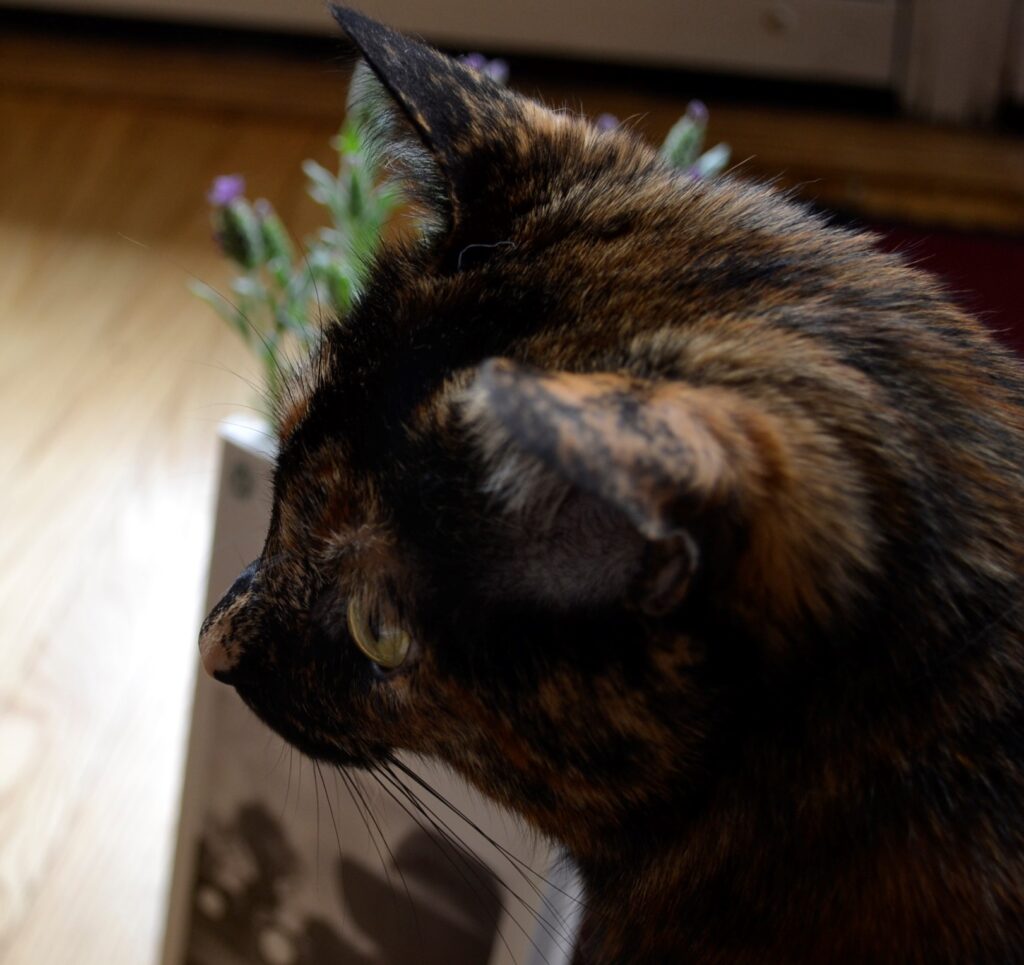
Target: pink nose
{"x": 217, "y": 662}
{"x": 219, "y": 646}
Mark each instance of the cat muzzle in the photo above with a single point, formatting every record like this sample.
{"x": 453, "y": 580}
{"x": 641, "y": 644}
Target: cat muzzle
{"x": 228, "y": 624}
{"x": 216, "y": 659}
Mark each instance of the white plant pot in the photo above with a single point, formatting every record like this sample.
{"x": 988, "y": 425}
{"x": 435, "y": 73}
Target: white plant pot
{"x": 274, "y": 865}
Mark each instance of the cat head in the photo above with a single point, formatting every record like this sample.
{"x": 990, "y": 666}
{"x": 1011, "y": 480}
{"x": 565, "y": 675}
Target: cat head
{"x": 502, "y": 524}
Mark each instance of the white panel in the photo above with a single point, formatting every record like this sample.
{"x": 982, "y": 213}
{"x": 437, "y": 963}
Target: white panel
{"x": 230, "y": 765}
{"x": 957, "y": 50}
{"x": 840, "y": 40}
{"x": 1015, "y": 57}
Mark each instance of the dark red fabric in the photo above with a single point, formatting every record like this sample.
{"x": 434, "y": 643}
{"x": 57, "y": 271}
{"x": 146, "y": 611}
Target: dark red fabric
{"x": 984, "y": 273}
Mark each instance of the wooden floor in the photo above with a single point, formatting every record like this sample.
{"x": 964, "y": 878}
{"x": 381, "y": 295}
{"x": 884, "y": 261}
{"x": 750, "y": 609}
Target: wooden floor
{"x": 112, "y": 380}
{"x": 879, "y": 167}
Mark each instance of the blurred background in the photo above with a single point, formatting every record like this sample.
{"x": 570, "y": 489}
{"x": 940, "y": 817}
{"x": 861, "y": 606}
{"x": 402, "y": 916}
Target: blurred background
{"x": 115, "y": 116}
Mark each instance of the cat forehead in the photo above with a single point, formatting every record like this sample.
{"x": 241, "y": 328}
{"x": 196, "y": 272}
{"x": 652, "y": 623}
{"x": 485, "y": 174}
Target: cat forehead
{"x": 431, "y": 311}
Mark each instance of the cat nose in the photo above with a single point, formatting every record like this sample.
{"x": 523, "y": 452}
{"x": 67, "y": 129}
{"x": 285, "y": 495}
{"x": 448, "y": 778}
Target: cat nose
{"x": 217, "y": 650}
{"x": 217, "y": 660}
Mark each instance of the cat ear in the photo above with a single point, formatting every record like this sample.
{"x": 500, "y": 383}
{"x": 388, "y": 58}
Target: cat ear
{"x": 698, "y": 471}
{"x": 664, "y": 453}
{"x": 456, "y": 114}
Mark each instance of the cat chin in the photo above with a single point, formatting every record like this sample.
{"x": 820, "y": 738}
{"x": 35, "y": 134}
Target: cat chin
{"x": 364, "y": 757}
{"x": 334, "y": 756}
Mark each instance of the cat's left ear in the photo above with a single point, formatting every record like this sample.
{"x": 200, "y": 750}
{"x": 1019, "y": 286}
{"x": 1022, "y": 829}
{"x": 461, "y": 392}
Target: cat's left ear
{"x": 456, "y": 119}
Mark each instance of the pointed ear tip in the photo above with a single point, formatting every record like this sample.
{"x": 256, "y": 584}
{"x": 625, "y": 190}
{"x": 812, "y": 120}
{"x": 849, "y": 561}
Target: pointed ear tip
{"x": 348, "y": 19}
{"x": 338, "y": 12}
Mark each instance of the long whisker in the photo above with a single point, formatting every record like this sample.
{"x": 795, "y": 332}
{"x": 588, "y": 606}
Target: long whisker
{"x": 288, "y": 787}
{"x": 515, "y": 859}
{"x": 230, "y": 405}
{"x": 280, "y": 754}
{"x": 271, "y": 351}
{"x": 436, "y": 819}
{"x": 456, "y": 848}
{"x": 271, "y": 436}
{"x": 401, "y": 874}
{"x": 369, "y": 834}
{"x": 316, "y": 796}
{"x": 256, "y": 387}
{"x": 330, "y": 809}
{"x": 316, "y": 287}
{"x": 556, "y": 930}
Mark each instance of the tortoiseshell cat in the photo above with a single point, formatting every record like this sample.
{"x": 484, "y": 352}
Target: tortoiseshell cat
{"x": 683, "y": 524}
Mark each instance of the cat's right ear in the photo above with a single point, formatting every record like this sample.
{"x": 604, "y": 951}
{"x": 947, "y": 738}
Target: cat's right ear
{"x": 690, "y": 467}
{"x": 442, "y": 121}
{"x": 664, "y": 454}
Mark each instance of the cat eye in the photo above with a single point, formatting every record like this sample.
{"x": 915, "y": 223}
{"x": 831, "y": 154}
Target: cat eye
{"x": 388, "y": 647}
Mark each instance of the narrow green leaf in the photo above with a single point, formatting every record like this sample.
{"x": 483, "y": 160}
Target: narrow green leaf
{"x": 683, "y": 142}
{"x": 713, "y": 162}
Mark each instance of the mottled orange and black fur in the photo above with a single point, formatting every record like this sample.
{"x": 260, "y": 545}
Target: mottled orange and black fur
{"x": 707, "y": 521}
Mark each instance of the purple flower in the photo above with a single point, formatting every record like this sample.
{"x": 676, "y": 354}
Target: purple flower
{"x": 225, "y": 189}
{"x": 497, "y": 70}
{"x": 474, "y": 61}
{"x": 606, "y": 122}
{"x": 697, "y": 111}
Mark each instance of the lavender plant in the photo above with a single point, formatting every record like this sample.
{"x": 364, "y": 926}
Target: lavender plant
{"x": 280, "y": 290}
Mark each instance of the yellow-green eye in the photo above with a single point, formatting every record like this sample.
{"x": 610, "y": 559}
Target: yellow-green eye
{"x": 387, "y": 647}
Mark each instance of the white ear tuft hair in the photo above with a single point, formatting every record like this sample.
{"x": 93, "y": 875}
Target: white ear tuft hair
{"x": 395, "y": 146}
{"x": 519, "y": 480}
